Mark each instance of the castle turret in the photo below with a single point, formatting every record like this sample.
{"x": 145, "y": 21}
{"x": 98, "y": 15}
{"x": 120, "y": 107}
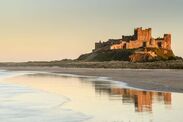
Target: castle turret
{"x": 167, "y": 41}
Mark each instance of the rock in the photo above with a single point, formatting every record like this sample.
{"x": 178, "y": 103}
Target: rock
{"x": 141, "y": 57}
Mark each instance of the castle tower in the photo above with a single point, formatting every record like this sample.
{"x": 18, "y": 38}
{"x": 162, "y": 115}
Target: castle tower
{"x": 143, "y": 35}
{"x": 167, "y": 41}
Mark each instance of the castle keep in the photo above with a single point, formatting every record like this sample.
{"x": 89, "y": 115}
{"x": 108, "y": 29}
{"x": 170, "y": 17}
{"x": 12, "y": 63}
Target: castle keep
{"x": 140, "y": 38}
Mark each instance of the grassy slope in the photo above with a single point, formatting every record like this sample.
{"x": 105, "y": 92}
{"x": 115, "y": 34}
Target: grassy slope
{"x": 116, "y": 55}
{"x": 123, "y": 55}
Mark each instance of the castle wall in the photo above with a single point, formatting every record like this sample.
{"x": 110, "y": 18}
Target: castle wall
{"x": 98, "y": 45}
{"x": 122, "y": 45}
{"x": 116, "y": 46}
{"x": 153, "y": 43}
{"x": 135, "y": 44}
{"x": 165, "y": 42}
{"x": 128, "y": 38}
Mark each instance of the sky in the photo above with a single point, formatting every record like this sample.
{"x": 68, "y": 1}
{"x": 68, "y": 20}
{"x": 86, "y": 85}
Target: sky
{"x": 36, "y": 30}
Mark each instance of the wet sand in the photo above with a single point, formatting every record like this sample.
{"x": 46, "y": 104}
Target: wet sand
{"x": 150, "y": 79}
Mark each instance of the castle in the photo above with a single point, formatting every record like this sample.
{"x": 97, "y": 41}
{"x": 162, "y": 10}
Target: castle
{"x": 141, "y": 38}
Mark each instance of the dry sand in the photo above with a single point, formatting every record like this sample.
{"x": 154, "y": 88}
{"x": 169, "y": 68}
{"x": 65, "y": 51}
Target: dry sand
{"x": 151, "y": 79}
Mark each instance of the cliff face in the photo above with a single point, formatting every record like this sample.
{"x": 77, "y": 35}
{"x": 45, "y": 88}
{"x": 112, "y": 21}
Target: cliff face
{"x": 151, "y": 54}
{"x": 138, "y": 57}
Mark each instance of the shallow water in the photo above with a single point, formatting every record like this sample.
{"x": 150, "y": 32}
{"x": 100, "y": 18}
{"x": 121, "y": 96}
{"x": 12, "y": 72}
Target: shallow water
{"x": 44, "y": 97}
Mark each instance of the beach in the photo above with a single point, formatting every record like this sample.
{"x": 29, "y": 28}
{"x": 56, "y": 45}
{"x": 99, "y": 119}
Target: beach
{"x": 168, "y": 80}
{"x": 45, "y": 97}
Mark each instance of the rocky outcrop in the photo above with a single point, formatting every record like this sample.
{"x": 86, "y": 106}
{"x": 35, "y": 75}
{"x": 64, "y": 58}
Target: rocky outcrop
{"x": 132, "y": 55}
{"x": 140, "y": 57}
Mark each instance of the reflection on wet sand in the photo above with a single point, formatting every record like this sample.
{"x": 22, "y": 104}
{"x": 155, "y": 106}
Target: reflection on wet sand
{"x": 142, "y": 100}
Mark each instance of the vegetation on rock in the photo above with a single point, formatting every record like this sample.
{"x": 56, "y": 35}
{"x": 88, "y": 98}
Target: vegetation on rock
{"x": 134, "y": 55}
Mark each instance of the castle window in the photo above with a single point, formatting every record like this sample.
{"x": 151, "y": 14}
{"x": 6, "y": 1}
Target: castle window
{"x": 159, "y": 44}
{"x": 144, "y": 44}
{"x": 124, "y": 46}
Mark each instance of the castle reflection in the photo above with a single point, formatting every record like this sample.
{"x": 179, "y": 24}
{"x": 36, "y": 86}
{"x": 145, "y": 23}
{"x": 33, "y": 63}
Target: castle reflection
{"x": 143, "y": 100}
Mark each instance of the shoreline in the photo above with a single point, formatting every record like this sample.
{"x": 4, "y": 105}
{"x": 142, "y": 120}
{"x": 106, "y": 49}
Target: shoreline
{"x": 167, "y": 80}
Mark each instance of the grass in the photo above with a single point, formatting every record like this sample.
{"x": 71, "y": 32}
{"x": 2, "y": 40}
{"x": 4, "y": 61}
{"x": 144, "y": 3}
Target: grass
{"x": 108, "y": 55}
